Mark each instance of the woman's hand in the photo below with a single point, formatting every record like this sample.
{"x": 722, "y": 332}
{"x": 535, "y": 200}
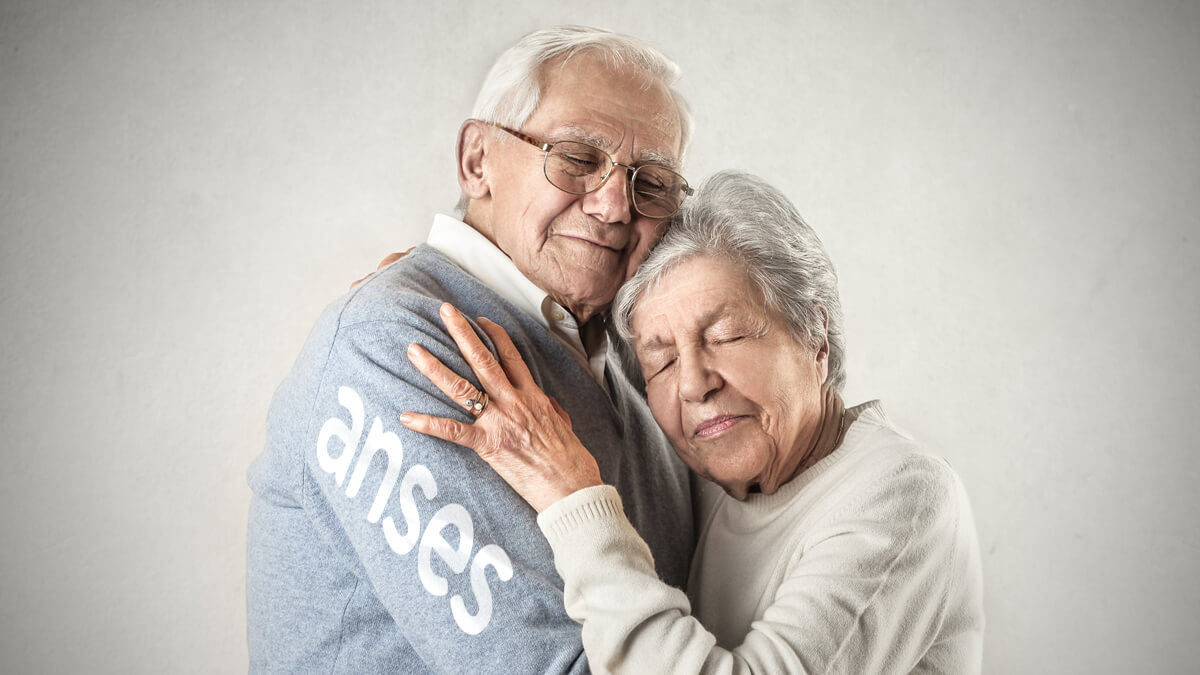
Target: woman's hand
{"x": 522, "y": 433}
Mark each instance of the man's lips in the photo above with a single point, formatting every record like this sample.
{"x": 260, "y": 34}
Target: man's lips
{"x": 594, "y": 242}
{"x": 714, "y": 426}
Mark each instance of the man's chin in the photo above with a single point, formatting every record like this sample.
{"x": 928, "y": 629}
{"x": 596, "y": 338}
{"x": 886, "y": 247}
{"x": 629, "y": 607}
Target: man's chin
{"x": 582, "y": 303}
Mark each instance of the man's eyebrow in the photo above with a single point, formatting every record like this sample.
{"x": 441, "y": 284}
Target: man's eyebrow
{"x": 572, "y": 132}
{"x": 655, "y": 157}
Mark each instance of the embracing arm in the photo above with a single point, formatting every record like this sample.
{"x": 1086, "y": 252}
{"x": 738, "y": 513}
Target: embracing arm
{"x": 865, "y": 594}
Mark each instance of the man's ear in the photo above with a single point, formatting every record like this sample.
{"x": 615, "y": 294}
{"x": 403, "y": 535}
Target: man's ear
{"x": 472, "y": 177}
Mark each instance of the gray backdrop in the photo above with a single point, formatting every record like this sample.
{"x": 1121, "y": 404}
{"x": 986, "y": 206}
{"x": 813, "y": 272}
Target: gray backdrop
{"x": 1009, "y": 190}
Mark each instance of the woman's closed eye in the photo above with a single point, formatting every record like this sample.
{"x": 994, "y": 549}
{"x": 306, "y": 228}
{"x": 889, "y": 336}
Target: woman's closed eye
{"x": 733, "y": 331}
{"x": 658, "y": 367}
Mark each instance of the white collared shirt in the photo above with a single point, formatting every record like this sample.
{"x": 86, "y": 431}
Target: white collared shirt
{"x": 473, "y": 252}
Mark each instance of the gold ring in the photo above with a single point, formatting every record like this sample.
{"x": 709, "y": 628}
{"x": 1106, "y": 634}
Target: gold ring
{"x": 476, "y": 405}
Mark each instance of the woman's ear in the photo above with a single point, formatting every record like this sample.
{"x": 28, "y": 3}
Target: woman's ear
{"x": 472, "y": 177}
{"x": 823, "y": 348}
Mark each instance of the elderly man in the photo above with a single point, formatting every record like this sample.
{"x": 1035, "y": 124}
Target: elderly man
{"x": 372, "y": 548}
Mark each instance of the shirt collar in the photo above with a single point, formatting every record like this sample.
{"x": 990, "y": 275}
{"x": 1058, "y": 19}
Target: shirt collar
{"x": 475, "y": 253}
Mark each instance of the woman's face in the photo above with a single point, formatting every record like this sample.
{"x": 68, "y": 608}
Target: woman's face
{"x": 739, "y": 397}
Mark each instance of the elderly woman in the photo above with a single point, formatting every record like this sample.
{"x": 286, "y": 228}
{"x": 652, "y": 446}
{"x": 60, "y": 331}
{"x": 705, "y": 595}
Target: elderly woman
{"x": 828, "y": 541}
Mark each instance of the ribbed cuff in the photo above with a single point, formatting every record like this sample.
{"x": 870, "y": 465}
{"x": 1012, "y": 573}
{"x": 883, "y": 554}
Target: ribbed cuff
{"x": 596, "y": 503}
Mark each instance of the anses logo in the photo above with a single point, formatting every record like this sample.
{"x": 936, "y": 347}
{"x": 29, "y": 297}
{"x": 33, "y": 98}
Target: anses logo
{"x": 429, "y": 541}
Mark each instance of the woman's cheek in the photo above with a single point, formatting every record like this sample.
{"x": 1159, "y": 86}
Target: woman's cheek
{"x": 664, "y": 405}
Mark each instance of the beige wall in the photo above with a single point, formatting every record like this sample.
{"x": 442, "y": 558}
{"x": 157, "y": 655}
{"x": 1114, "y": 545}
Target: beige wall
{"x": 1009, "y": 191}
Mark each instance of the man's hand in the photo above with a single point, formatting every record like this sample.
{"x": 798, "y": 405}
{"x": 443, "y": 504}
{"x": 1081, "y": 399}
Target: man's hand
{"x": 384, "y": 263}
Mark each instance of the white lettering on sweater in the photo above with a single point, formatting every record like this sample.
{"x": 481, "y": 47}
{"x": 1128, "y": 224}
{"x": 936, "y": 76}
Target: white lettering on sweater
{"x": 432, "y": 542}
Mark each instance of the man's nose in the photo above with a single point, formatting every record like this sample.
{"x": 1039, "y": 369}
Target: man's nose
{"x": 611, "y": 202}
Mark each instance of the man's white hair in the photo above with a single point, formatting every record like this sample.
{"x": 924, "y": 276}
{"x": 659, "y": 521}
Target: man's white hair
{"x": 513, "y": 87}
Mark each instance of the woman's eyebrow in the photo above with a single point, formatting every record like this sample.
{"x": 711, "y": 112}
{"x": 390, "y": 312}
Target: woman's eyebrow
{"x": 654, "y": 344}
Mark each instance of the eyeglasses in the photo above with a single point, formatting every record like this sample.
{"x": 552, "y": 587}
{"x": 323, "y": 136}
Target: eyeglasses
{"x": 579, "y": 168}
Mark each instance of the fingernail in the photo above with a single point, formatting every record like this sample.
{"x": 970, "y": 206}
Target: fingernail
{"x": 447, "y": 310}
{"x": 406, "y": 419}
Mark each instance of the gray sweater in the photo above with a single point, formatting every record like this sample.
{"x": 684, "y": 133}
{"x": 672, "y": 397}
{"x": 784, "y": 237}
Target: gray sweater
{"x": 372, "y": 548}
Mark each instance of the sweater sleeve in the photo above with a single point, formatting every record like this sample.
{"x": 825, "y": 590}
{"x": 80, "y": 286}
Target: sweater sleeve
{"x": 436, "y": 537}
{"x": 865, "y": 593}
{"x": 632, "y": 621}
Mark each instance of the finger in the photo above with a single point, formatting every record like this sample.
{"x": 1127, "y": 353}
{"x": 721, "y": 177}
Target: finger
{"x": 485, "y": 366}
{"x": 449, "y": 382}
{"x": 440, "y": 427}
{"x": 562, "y": 412}
{"x": 391, "y": 258}
{"x": 510, "y": 358}
{"x": 356, "y": 283}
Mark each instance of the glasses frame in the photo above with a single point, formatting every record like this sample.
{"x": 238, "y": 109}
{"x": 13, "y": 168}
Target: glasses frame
{"x": 546, "y": 147}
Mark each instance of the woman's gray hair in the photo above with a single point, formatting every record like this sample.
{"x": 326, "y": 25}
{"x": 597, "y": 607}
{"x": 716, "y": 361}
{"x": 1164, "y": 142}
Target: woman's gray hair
{"x": 738, "y": 217}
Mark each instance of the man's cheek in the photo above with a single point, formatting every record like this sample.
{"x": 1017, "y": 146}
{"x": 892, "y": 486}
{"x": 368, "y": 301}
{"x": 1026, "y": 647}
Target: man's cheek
{"x": 636, "y": 259}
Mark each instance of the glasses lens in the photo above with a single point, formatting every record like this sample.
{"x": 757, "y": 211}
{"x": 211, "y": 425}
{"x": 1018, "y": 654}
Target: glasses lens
{"x": 657, "y": 191}
{"x": 577, "y": 168}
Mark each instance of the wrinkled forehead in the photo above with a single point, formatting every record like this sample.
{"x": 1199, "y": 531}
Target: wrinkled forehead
{"x": 590, "y": 82}
{"x": 668, "y": 295}
{"x": 686, "y": 293}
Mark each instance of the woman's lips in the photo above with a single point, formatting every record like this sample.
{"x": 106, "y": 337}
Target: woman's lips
{"x": 714, "y": 426}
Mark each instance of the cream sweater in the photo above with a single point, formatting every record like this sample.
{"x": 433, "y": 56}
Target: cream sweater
{"x": 867, "y": 562}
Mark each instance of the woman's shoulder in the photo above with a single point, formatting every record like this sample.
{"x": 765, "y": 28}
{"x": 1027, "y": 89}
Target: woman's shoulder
{"x": 890, "y": 467}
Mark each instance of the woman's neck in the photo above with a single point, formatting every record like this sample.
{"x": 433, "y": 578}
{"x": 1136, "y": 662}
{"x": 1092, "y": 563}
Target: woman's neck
{"x": 828, "y": 434}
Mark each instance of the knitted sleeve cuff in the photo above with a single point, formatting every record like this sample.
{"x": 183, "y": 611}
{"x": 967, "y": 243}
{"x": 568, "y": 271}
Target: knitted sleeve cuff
{"x": 580, "y": 508}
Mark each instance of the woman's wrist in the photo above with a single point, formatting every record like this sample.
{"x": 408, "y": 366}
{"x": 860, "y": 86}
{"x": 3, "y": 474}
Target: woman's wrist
{"x": 591, "y": 503}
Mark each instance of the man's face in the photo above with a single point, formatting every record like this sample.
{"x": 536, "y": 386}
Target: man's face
{"x": 581, "y": 248}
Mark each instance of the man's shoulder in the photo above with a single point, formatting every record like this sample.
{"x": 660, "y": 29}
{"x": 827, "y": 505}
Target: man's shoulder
{"x": 362, "y": 336}
{"x": 409, "y": 289}
{"x": 361, "y": 340}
